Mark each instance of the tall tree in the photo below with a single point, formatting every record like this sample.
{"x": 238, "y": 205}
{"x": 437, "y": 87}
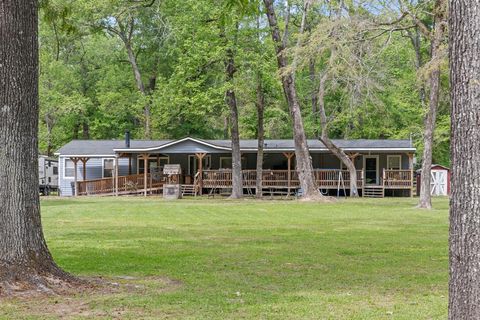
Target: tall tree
{"x": 303, "y": 160}
{"x": 129, "y": 22}
{"x": 25, "y": 261}
{"x": 237, "y": 181}
{"x": 464, "y": 49}
{"x": 436, "y": 36}
{"x": 260, "y": 104}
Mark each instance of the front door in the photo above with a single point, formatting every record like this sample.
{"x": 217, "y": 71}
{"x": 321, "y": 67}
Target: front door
{"x": 371, "y": 170}
{"x": 193, "y": 164}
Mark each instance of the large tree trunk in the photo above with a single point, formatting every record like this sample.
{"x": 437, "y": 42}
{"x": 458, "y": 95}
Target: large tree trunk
{"x": 260, "y": 136}
{"x": 302, "y": 154}
{"x": 464, "y": 288}
{"x": 434, "y": 79}
{"x": 25, "y": 262}
{"x": 339, "y": 153}
{"x": 147, "y": 130}
{"x": 237, "y": 181}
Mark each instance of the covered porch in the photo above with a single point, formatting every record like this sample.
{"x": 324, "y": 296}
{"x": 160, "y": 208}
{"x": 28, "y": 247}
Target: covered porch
{"x": 206, "y": 169}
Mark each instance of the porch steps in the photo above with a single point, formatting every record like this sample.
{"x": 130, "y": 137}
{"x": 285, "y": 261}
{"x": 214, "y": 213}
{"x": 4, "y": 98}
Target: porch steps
{"x": 373, "y": 192}
{"x": 188, "y": 190}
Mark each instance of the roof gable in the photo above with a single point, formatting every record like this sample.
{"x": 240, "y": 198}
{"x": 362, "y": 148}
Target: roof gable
{"x": 185, "y": 145}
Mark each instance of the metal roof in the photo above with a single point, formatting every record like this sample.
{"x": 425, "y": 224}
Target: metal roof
{"x": 110, "y": 147}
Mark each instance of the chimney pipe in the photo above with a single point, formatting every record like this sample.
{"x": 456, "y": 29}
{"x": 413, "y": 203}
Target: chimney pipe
{"x": 127, "y": 139}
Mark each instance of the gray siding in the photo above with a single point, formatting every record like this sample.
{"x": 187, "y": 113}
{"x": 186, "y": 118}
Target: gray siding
{"x": 94, "y": 170}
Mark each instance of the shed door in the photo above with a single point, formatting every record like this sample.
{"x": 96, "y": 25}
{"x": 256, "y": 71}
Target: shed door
{"x": 439, "y": 183}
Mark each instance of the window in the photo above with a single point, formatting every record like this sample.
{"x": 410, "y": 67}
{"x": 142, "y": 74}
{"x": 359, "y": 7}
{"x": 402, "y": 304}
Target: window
{"x": 69, "y": 169}
{"x": 108, "y": 166}
{"x": 152, "y": 163}
{"x": 226, "y": 163}
{"x": 55, "y": 170}
{"x": 394, "y": 162}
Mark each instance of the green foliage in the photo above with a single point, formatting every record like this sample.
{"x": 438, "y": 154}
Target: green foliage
{"x": 88, "y": 89}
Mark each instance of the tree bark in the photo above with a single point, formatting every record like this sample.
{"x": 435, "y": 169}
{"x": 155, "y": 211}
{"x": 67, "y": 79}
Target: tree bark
{"x": 141, "y": 87}
{"x": 261, "y": 137}
{"x": 302, "y": 154}
{"x": 425, "y": 200}
{"x": 25, "y": 261}
{"x": 237, "y": 181}
{"x": 339, "y": 153}
{"x": 464, "y": 287}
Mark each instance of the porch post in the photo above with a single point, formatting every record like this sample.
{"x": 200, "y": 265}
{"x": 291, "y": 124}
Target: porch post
{"x": 410, "y": 165}
{"x": 145, "y": 173}
{"x": 84, "y": 167}
{"x": 200, "y": 157}
{"x": 289, "y": 156}
{"x": 116, "y": 176}
{"x": 130, "y": 164}
{"x": 75, "y": 175}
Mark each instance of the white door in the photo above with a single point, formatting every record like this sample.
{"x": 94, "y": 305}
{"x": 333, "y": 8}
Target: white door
{"x": 439, "y": 183}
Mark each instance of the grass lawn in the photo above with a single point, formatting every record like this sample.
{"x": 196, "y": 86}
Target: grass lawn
{"x": 221, "y": 259}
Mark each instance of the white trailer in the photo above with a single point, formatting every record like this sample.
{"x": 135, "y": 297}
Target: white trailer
{"x": 48, "y": 175}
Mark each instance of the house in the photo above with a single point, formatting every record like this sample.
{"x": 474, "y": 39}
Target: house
{"x": 115, "y": 167}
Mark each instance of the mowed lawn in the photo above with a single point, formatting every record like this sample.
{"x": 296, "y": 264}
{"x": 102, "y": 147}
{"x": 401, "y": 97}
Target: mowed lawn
{"x": 248, "y": 259}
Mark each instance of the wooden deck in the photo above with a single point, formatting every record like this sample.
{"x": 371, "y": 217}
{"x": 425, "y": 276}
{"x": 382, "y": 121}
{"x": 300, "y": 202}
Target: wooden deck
{"x": 281, "y": 180}
{"x": 126, "y": 185}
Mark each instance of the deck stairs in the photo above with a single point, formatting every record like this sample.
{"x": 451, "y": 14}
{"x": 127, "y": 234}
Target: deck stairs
{"x": 188, "y": 190}
{"x": 373, "y": 191}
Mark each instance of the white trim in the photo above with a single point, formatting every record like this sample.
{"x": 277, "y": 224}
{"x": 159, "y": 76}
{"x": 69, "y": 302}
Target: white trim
{"x": 103, "y": 168}
{"x": 173, "y": 143}
{"x": 86, "y": 155}
{"x": 390, "y": 156}
{"x": 65, "y": 167}
{"x": 365, "y": 157}
{"x": 150, "y": 158}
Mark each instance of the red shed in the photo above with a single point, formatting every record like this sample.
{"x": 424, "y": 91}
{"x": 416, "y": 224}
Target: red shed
{"x": 440, "y": 180}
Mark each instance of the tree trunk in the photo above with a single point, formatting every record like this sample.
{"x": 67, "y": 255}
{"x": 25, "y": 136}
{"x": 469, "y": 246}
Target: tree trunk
{"x": 302, "y": 154}
{"x": 464, "y": 287}
{"x": 237, "y": 181}
{"x": 25, "y": 262}
{"x": 76, "y": 128}
{"x": 141, "y": 87}
{"x": 434, "y": 79}
{"x": 261, "y": 137}
{"x": 85, "y": 130}
{"x": 339, "y": 153}
{"x": 417, "y": 46}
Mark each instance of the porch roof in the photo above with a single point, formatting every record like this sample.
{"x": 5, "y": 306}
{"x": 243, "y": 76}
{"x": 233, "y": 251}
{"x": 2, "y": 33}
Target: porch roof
{"x": 105, "y": 148}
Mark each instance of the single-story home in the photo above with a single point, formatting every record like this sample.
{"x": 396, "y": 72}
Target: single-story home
{"x": 115, "y": 167}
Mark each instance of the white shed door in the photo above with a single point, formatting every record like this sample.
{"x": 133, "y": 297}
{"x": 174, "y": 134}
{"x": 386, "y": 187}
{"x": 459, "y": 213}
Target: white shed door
{"x": 439, "y": 183}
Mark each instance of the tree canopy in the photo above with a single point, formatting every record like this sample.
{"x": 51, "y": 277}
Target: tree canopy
{"x": 111, "y": 65}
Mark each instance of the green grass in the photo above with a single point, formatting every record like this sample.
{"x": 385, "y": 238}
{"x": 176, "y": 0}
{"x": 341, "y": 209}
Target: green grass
{"x": 355, "y": 259}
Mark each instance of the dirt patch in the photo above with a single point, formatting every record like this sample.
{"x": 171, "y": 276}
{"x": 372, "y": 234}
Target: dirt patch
{"x": 97, "y": 299}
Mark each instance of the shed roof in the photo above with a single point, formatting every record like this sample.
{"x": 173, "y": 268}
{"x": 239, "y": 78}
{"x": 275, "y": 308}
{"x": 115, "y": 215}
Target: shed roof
{"x": 111, "y": 147}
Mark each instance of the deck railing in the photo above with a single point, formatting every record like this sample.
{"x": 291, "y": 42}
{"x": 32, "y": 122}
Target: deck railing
{"x": 397, "y": 179}
{"x": 326, "y": 178}
{"x": 274, "y": 179}
{"x": 126, "y": 184}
